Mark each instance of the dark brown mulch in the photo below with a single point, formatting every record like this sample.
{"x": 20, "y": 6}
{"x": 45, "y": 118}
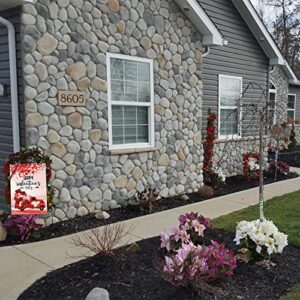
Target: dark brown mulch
{"x": 233, "y": 184}
{"x": 292, "y": 158}
{"x": 133, "y": 276}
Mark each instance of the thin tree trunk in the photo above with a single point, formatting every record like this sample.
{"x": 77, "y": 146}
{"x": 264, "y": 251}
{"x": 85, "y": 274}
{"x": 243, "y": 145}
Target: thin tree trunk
{"x": 261, "y": 175}
{"x": 276, "y": 161}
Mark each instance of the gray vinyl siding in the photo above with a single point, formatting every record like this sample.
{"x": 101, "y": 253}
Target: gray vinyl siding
{"x": 242, "y": 57}
{"x": 294, "y": 89}
{"x": 6, "y": 133}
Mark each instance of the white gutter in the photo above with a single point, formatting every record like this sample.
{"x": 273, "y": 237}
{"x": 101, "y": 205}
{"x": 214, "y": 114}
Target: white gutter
{"x": 13, "y": 82}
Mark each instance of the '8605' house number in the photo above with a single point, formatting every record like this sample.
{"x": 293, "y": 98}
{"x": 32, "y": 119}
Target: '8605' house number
{"x": 70, "y": 98}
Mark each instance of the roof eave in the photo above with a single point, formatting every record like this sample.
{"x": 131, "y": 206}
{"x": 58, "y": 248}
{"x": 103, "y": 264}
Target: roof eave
{"x": 290, "y": 74}
{"x": 264, "y": 38}
{"x": 212, "y": 41}
{"x": 260, "y": 31}
{"x": 295, "y": 83}
{"x": 7, "y": 4}
{"x": 211, "y": 36}
{"x": 277, "y": 61}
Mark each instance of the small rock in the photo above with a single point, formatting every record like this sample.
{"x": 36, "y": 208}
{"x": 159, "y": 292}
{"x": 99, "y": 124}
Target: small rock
{"x": 39, "y": 222}
{"x": 134, "y": 248}
{"x": 121, "y": 181}
{"x": 47, "y": 44}
{"x": 113, "y": 5}
{"x": 98, "y": 294}
{"x": 50, "y": 221}
{"x": 114, "y": 204}
{"x": 76, "y": 71}
{"x": 164, "y": 160}
{"x": 34, "y": 120}
{"x": 184, "y": 197}
{"x": 3, "y": 233}
{"x": 82, "y": 211}
{"x": 99, "y": 84}
{"x": 102, "y": 215}
{"x": 64, "y": 195}
{"x": 75, "y": 120}
{"x": 206, "y": 192}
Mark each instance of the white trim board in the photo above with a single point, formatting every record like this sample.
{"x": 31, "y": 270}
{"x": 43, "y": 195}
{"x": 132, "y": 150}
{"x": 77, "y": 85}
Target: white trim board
{"x": 295, "y": 104}
{"x": 211, "y": 36}
{"x": 7, "y": 4}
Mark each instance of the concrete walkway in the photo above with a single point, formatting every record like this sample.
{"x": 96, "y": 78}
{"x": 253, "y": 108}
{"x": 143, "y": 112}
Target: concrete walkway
{"x": 21, "y": 266}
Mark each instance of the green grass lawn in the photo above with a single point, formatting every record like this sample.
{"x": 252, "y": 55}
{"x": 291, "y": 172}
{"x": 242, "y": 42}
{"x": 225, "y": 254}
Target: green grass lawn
{"x": 293, "y": 295}
{"x": 284, "y": 211}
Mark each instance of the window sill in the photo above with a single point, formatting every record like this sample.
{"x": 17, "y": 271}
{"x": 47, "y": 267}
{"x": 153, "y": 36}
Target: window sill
{"x": 229, "y": 139}
{"x": 240, "y": 139}
{"x": 132, "y": 150}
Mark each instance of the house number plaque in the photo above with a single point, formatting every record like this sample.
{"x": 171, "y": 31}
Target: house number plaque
{"x": 70, "y": 98}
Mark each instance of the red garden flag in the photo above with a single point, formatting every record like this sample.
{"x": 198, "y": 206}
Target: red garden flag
{"x": 28, "y": 188}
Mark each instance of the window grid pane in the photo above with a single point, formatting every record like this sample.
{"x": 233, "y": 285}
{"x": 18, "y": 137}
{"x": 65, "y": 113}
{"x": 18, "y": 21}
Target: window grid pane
{"x": 130, "y": 124}
{"x": 291, "y": 102}
{"x": 229, "y": 122}
{"x": 230, "y": 91}
{"x": 291, "y": 114}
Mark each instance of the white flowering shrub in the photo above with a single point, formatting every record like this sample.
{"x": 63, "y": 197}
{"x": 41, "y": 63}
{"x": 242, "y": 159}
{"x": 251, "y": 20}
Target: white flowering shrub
{"x": 260, "y": 238}
{"x": 220, "y": 173}
{"x": 253, "y": 164}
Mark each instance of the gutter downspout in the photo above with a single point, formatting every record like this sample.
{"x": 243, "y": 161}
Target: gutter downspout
{"x": 206, "y": 53}
{"x": 13, "y": 82}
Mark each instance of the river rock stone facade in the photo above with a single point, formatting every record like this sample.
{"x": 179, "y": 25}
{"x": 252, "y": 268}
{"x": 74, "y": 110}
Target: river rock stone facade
{"x": 65, "y": 44}
{"x": 281, "y": 82}
{"x": 297, "y": 131}
{"x": 229, "y": 155}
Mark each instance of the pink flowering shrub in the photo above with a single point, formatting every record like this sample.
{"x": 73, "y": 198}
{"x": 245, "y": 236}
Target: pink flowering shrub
{"x": 191, "y": 264}
{"x": 188, "y": 263}
{"x": 221, "y": 261}
{"x": 22, "y": 226}
{"x": 191, "y": 228}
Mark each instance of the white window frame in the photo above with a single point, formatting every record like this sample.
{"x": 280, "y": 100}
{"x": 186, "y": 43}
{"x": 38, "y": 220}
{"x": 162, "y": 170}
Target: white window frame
{"x": 151, "y": 117}
{"x": 294, "y": 109}
{"x": 231, "y": 136}
{"x": 273, "y": 91}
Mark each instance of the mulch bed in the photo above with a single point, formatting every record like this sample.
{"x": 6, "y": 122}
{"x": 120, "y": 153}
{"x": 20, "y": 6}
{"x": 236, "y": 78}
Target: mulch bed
{"x": 134, "y": 276}
{"x": 292, "y": 158}
{"x": 233, "y": 184}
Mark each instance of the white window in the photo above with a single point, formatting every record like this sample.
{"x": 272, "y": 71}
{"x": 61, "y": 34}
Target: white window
{"x": 272, "y": 104}
{"x": 230, "y": 92}
{"x": 131, "y": 102}
{"x": 291, "y": 107}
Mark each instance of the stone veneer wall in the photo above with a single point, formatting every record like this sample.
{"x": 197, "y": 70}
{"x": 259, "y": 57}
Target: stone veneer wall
{"x": 229, "y": 155}
{"x": 64, "y": 43}
{"x": 281, "y": 82}
{"x": 297, "y": 131}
